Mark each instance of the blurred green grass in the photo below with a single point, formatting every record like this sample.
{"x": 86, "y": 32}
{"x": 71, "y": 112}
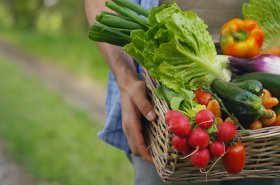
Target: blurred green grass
{"x": 73, "y": 51}
{"x": 54, "y": 140}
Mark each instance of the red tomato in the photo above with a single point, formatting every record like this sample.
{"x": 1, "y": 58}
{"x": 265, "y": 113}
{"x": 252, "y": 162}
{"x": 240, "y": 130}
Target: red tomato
{"x": 202, "y": 97}
{"x": 234, "y": 158}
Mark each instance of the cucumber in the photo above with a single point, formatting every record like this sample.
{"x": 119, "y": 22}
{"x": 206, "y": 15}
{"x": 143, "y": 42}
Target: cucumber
{"x": 244, "y": 105}
{"x": 269, "y": 81}
{"x": 253, "y": 86}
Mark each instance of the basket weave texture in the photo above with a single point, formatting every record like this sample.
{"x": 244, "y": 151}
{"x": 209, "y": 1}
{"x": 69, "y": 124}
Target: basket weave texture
{"x": 262, "y": 150}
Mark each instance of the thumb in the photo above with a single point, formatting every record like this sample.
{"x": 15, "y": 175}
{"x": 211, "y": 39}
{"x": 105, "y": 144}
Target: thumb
{"x": 144, "y": 106}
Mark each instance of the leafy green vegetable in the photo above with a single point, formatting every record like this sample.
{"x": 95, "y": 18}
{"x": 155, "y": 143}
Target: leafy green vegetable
{"x": 183, "y": 103}
{"x": 101, "y": 33}
{"x": 267, "y": 14}
{"x": 176, "y": 102}
{"x": 177, "y": 49}
{"x": 118, "y": 22}
{"x": 127, "y": 12}
{"x": 174, "y": 46}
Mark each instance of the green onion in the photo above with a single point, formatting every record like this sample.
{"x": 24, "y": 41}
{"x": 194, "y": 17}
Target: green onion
{"x": 118, "y": 15}
{"x": 132, "y": 6}
{"x": 115, "y": 28}
{"x": 127, "y": 13}
{"x": 102, "y": 33}
{"x": 115, "y": 21}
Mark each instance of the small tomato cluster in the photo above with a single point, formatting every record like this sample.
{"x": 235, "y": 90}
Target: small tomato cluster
{"x": 196, "y": 141}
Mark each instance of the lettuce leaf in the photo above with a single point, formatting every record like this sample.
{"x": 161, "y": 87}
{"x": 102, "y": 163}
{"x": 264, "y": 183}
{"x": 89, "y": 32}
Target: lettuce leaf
{"x": 183, "y": 103}
{"x": 267, "y": 14}
{"x": 177, "y": 50}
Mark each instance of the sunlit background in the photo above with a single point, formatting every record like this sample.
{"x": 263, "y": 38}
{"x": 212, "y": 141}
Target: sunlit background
{"x": 52, "y": 93}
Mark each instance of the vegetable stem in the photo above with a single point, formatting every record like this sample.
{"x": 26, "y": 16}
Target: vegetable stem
{"x": 128, "y": 13}
{"x": 214, "y": 71}
{"x": 113, "y": 14}
{"x": 240, "y": 35}
{"x": 102, "y": 33}
{"x": 235, "y": 120}
{"x": 118, "y": 22}
{"x": 132, "y": 6}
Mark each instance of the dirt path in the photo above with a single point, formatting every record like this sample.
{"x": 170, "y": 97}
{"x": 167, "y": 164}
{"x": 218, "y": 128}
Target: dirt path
{"x": 80, "y": 91}
{"x": 12, "y": 173}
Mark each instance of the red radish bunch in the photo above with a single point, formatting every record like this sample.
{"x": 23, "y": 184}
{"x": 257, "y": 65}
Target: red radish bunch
{"x": 180, "y": 126}
{"x": 171, "y": 114}
{"x": 200, "y": 158}
{"x": 197, "y": 139}
{"x": 180, "y": 144}
{"x": 217, "y": 149}
{"x": 204, "y": 118}
{"x": 226, "y": 132}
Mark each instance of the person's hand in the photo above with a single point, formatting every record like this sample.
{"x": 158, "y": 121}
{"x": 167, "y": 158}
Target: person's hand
{"x": 134, "y": 105}
{"x": 134, "y": 100}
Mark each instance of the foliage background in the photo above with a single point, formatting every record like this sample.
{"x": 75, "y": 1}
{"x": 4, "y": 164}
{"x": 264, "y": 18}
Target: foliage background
{"x": 45, "y": 15}
{"x": 36, "y": 123}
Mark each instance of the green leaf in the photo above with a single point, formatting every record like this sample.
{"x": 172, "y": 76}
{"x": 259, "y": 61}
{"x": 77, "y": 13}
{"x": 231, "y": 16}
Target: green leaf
{"x": 267, "y": 14}
{"x": 176, "y": 102}
{"x": 177, "y": 50}
{"x": 183, "y": 103}
{"x": 163, "y": 92}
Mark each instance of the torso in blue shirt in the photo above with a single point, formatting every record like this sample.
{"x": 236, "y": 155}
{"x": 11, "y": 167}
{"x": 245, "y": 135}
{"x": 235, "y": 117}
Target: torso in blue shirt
{"x": 112, "y": 132}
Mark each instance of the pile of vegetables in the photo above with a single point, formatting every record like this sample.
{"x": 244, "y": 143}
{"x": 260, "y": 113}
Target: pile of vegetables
{"x": 206, "y": 140}
{"x": 210, "y": 95}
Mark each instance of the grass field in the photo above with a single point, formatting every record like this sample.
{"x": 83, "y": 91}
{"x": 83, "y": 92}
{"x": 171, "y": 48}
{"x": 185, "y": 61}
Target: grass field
{"x": 75, "y": 52}
{"x": 54, "y": 140}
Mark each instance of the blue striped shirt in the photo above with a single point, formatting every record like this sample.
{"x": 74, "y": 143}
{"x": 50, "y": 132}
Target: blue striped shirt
{"x": 112, "y": 132}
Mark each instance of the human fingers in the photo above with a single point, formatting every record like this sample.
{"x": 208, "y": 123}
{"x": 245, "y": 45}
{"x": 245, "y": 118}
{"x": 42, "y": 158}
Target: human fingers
{"x": 138, "y": 93}
{"x": 132, "y": 128}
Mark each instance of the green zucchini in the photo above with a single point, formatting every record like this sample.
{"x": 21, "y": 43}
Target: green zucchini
{"x": 269, "y": 81}
{"x": 253, "y": 86}
{"x": 277, "y": 109}
{"x": 244, "y": 105}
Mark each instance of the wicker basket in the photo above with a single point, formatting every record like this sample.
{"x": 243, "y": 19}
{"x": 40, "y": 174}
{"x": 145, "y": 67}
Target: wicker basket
{"x": 262, "y": 151}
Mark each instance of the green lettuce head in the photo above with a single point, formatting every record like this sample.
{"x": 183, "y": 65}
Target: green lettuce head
{"x": 177, "y": 50}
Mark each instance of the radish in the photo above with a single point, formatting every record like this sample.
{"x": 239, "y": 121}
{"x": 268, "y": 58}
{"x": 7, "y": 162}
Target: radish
{"x": 200, "y": 158}
{"x": 170, "y": 114}
{"x": 226, "y": 132}
{"x": 180, "y": 144}
{"x": 217, "y": 149}
{"x": 204, "y": 118}
{"x": 198, "y": 138}
{"x": 180, "y": 126}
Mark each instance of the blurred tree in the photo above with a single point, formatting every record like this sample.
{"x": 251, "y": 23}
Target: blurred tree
{"x": 24, "y": 13}
{"x": 73, "y": 15}
{"x": 65, "y": 15}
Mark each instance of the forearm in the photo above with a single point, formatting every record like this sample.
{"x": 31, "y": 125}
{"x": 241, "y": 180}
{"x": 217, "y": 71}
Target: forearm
{"x": 120, "y": 63}
{"x": 134, "y": 102}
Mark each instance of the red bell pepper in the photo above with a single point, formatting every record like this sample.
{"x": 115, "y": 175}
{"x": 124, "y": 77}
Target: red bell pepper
{"x": 241, "y": 38}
